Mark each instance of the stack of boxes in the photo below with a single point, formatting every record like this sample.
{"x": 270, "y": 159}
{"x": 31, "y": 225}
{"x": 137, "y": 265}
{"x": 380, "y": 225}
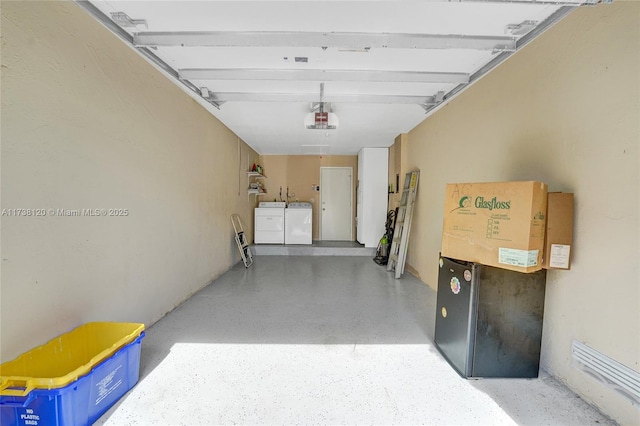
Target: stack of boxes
{"x": 497, "y": 239}
{"x": 504, "y": 224}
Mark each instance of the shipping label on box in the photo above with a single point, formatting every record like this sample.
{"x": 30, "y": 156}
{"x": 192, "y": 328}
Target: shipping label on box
{"x": 559, "y": 256}
{"x": 499, "y": 224}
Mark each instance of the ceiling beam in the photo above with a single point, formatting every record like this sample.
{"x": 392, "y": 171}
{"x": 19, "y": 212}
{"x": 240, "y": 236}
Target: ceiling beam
{"x": 313, "y": 97}
{"x": 323, "y": 75}
{"x": 555, "y": 17}
{"x": 527, "y": 2}
{"x": 148, "y": 54}
{"x": 339, "y": 40}
{"x": 530, "y": 2}
{"x": 533, "y": 2}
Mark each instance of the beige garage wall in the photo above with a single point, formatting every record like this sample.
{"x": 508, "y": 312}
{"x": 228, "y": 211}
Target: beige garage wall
{"x": 88, "y": 124}
{"x": 299, "y": 173}
{"x": 565, "y": 110}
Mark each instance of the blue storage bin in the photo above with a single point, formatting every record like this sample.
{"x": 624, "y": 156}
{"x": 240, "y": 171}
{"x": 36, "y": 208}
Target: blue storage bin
{"x": 81, "y": 402}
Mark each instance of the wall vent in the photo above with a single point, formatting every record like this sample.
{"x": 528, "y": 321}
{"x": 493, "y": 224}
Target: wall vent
{"x": 607, "y": 370}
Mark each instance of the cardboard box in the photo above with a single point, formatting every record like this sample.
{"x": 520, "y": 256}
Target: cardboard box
{"x": 500, "y": 224}
{"x": 559, "y": 234}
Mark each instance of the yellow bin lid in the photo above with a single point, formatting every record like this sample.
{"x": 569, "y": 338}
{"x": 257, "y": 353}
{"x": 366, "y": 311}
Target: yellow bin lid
{"x": 63, "y": 359}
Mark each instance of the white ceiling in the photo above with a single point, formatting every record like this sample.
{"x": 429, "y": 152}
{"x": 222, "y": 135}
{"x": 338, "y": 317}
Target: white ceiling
{"x": 383, "y": 65}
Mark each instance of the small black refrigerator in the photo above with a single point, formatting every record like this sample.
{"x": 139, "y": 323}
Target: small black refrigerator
{"x": 489, "y": 320}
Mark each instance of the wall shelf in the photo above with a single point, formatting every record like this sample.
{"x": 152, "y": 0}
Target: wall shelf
{"x": 250, "y": 179}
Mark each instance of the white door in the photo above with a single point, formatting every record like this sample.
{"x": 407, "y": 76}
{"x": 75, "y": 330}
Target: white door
{"x": 336, "y": 210}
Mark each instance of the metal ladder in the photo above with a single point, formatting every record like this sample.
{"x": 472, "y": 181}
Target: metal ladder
{"x": 398, "y": 251}
{"x": 241, "y": 241}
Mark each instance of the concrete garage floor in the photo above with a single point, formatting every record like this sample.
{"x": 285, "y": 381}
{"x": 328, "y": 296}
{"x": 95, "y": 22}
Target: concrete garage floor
{"x": 321, "y": 340}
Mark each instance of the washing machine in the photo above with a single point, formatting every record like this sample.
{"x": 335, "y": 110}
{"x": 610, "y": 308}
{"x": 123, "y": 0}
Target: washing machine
{"x": 268, "y": 227}
{"x": 298, "y": 220}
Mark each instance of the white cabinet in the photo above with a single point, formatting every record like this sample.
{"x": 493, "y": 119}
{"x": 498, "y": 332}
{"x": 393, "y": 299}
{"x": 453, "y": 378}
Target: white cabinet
{"x": 372, "y": 195}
